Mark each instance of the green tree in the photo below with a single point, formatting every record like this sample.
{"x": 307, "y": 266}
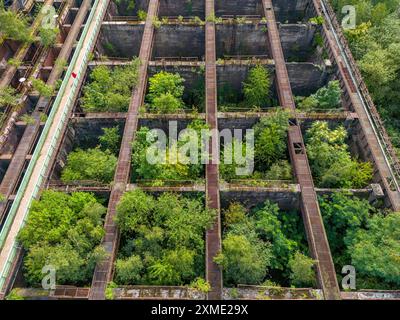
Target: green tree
{"x": 110, "y": 90}
{"x": 342, "y": 214}
{"x": 375, "y": 251}
{"x": 166, "y": 103}
{"x": 270, "y": 139}
{"x": 302, "y": 272}
{"x": 243, "y": 261}
{"x": 129, "y": 270}
{"x": 110, "y": 139}
{"x": 92, "y": 164}
{"x": 257, "y": 87}
{"x": 327, "y": 97}
{"x": 331, "y": 160}
{"x": 166, "y": 92}
{"x": 43, "y": 89}
{"x": 168, "y": 236}
{"x": 14, "y": 26}
{"x": 48, "y": 36}
{"x": 9, "y": 96}
{"x": 63, "y": 231}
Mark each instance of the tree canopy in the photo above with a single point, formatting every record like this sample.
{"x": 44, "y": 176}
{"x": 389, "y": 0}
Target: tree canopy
{"x": 165, "y": 92}
{"x": 163, "y": 238}
{"x": 364, "y": 237}
{"x": 171, "y": 165}
{"x": 257, "y": 87}
{"x": 375, "y": 43}
{"x": 261, "y": 242}
{"x": 63, "y": 231}
{"x": 330, "y": 158}
{"x": 94, "y": 164}
{"x": 110, "y": 90}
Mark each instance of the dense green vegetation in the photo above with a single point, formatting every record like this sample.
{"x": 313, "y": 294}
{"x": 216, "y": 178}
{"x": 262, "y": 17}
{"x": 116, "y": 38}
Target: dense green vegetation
{"x": 9, "y": 96}
{"x": 171, "y": 161}
{"x": 110, "y": 90}
{"x": 14, "y": 26}
{"x": 255, "y": 92}
{"x": 165, "y": 92}
{"x": 325, "y": 98}
{"x": 365, "y": 238}
{"x": 94, "y": 164}
{"x": 264, "y": 246}
{"x": 375, "y": 44}
{"x": 331, "y": 161}
{"x": 162, "y": 239}
{"x": 270, "y": 152}
{"x": 63, "y": 231}
{"x": 48, "y": 36}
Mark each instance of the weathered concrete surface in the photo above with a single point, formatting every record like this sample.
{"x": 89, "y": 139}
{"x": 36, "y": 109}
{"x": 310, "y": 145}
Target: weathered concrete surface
{"x": 297, "y": 41}
{"x": 306, "y": 78}
{"x": 238, "y": 7}
{"x": 179, "y": 41}
{"x": 241, "y": 40}
{"x": 157, "y": 292}
{"x": 120, "y": 39}
{"x": 183, "y": 8}
{"x": 292, "y": 11}
{"x": 243, "y": 292}
{"x": 122, "y": 8}
{"x": 286, "y": 198}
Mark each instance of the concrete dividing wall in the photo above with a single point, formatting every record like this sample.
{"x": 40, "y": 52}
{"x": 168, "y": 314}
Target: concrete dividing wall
{"x": 122, "y": 8}
{"x": 297, "y": 41}
{"x": 238, "y": 7}
{"x": 185, "y": 8}
{"x": 287, "y": 199}
{"x": 306, "y": 78}
{"x": 179, "y": 41}
{"x": 244, "y": 39}
{"x": 120, "y": 39}
{"x": 291, "y": 11}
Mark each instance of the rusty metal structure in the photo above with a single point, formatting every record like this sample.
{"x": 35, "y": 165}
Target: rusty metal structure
{"x": 35, "y": 155}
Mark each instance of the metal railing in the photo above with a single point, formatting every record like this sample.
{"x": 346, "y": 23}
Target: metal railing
{"x": 362, "y": 90}
{"x": 85, "y": 43}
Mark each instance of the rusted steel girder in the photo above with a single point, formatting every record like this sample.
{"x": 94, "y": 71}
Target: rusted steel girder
{"x": 104, "y": 270}
{"x": 213, "y": 236}
{"x": 309, "y": 203}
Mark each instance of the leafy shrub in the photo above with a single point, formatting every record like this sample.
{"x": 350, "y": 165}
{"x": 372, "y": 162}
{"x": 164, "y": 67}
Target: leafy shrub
{"x": 14, "y": 26}
{"x": 63, "y": 231}
{"x": 331, "y": 161}
{"x": 256, "y": 88}
{"x": 257, "y": 242}
{"x": 165, "y": 92}
{"x": 163, "y": 239}
{"x": 171, "y": 164}
{"x": 327, "y": 97}
{"x": 48, "y": 36}
{"x": 110, "y": 90}
{"x": 92, "y": 164}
